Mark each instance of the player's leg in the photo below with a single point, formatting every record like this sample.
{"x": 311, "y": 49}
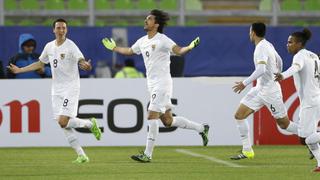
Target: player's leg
{"x": 278, "y": 110}
{"x": 309, "y": 118}
{"x": 69, "y": 133}
{"x": 153, "y": 119}
{"x": 169, "y": 121}
{"x": 68, "y": 117}
{"x": 248, "y": 105}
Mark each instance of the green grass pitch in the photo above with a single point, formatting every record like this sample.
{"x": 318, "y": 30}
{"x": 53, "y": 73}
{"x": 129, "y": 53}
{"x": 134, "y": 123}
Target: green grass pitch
{"x": 270, "y": 163}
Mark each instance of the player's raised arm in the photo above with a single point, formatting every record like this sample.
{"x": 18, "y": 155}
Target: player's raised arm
{"x": 111, "y": 45}
{"x": 32, "y": 67}
{"x": 183, "y": 50}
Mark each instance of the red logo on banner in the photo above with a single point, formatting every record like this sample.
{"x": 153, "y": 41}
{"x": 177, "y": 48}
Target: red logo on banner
{"x": 16, "y": 116}
{"x": 265, "y": 127}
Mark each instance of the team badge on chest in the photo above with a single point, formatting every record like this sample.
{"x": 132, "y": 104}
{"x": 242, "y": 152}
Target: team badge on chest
{"x": 62, "y": 56}
{"x": 153, "y": 46}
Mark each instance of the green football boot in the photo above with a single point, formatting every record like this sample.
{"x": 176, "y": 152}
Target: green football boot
{"x": 205, "y": 134}
{"x": 141, "y": 158}
{"x": 81, "y": 159}
{"x": 95, "y": 129}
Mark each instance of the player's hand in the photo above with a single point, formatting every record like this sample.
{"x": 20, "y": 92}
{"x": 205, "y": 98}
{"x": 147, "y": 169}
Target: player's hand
{"x": 238, "y": 87}
{"x": 85, "y": 65}
{"x": 14, "y": 69}
{"x": 109, "y": 44}
{"x": 278, "y": 77}
{"x": 194, "y": 43}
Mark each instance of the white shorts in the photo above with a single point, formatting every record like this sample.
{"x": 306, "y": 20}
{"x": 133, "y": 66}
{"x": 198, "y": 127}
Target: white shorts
{"x": 309, "y": 119}
{"x": 66, "y": 104}
{"x": 273, "y": 102}
{"x": 160, "y": 99}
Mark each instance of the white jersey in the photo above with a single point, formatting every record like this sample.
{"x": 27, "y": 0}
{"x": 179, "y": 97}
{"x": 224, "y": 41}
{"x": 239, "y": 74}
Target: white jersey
{"x": 307, "y": 79}
{"x": 63, "y": 60}
{"x": 265, "y": 52}
{"x": 156, "y": 56}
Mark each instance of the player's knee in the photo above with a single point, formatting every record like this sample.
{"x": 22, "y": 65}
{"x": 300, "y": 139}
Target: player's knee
{"x": 239, "y": 116}
{"x": 63, "y": 122}
{"x": 166, "y": 120}
{"x": 283, "y": 125}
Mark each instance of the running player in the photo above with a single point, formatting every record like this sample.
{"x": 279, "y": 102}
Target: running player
{"x": 267, "y": 92}
{"x": 155, "y": 48}
{"x": 305, "y": 70}
{"x": 64, "y": 57}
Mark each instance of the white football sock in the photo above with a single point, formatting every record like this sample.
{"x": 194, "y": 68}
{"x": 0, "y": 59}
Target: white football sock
{"x": 243, "y": 127}
{"x": 293, "y": 128}
{"x": 314, "y": 148}
{"x": 73, "y": 141}
{"x": 78, "y": 123}
{"x": 151, "y": 137}
{"x": 313, "y": 138}
{"x": 184, "y": 123}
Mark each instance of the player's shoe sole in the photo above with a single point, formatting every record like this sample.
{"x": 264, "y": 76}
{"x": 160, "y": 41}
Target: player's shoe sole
{"x": 141, "y": 158}
{"x": 243, "y": 155}
{"x": 95, "y": 129}
{"x": 205, "y": 134}
{"x": 81, "y": 159}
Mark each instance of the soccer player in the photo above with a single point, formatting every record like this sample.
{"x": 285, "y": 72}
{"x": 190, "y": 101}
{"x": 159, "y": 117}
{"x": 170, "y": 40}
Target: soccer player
{"x": 267, "y": 92}
{"x": 64, "y": 57}
{"x": 305, "y": 71}
{"x": 155, "y": 48}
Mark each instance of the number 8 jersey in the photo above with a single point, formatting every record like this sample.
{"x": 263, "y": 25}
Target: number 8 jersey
{"x": 307, "y": 79}
{"x": 63, "y": 60}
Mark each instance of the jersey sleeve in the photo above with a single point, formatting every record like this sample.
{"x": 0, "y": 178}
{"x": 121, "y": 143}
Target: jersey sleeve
{"x": 136, "y": 47}
{"x": 261, "y": 55}
{"x": 76, "y": 53}
{"x": 168, "y": 44}
{"x": 298, "y": 59}
{"x": 44, "y": 55}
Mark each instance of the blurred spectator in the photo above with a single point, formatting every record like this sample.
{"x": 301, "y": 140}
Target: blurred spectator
{"x": 129, "y": 70}
{"x": 26, "y": 56}
{"x": 176, "y": 66}
{"x": 102, "y": 70}
{"x": 2, "y": 75}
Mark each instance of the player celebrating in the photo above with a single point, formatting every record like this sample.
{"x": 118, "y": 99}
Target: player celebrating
{"x": 305, "y": 71}
{"x": 155, "y": 48}
{"x": 267, "y": 92}
{"x": 64, "y": 57}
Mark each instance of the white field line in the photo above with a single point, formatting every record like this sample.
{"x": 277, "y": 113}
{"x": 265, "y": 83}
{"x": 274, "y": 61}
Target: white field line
{"x": 210, "y": 158}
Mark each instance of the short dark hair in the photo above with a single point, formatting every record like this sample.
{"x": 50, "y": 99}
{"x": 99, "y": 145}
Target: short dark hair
{"x": 259, "y": 28}
{"x": 129, "y": 63}
{"x": 58, "y": 20}
{"x": 161, "y": 18}
{"x": 302, "y": 36}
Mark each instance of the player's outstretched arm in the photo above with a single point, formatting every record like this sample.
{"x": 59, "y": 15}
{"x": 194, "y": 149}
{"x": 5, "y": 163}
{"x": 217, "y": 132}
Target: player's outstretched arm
{"x": 111, "y": 45}
{"x": 288, "y": 73}
{"x": 32, "y": 67}
{"x": 183, "y": 50}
